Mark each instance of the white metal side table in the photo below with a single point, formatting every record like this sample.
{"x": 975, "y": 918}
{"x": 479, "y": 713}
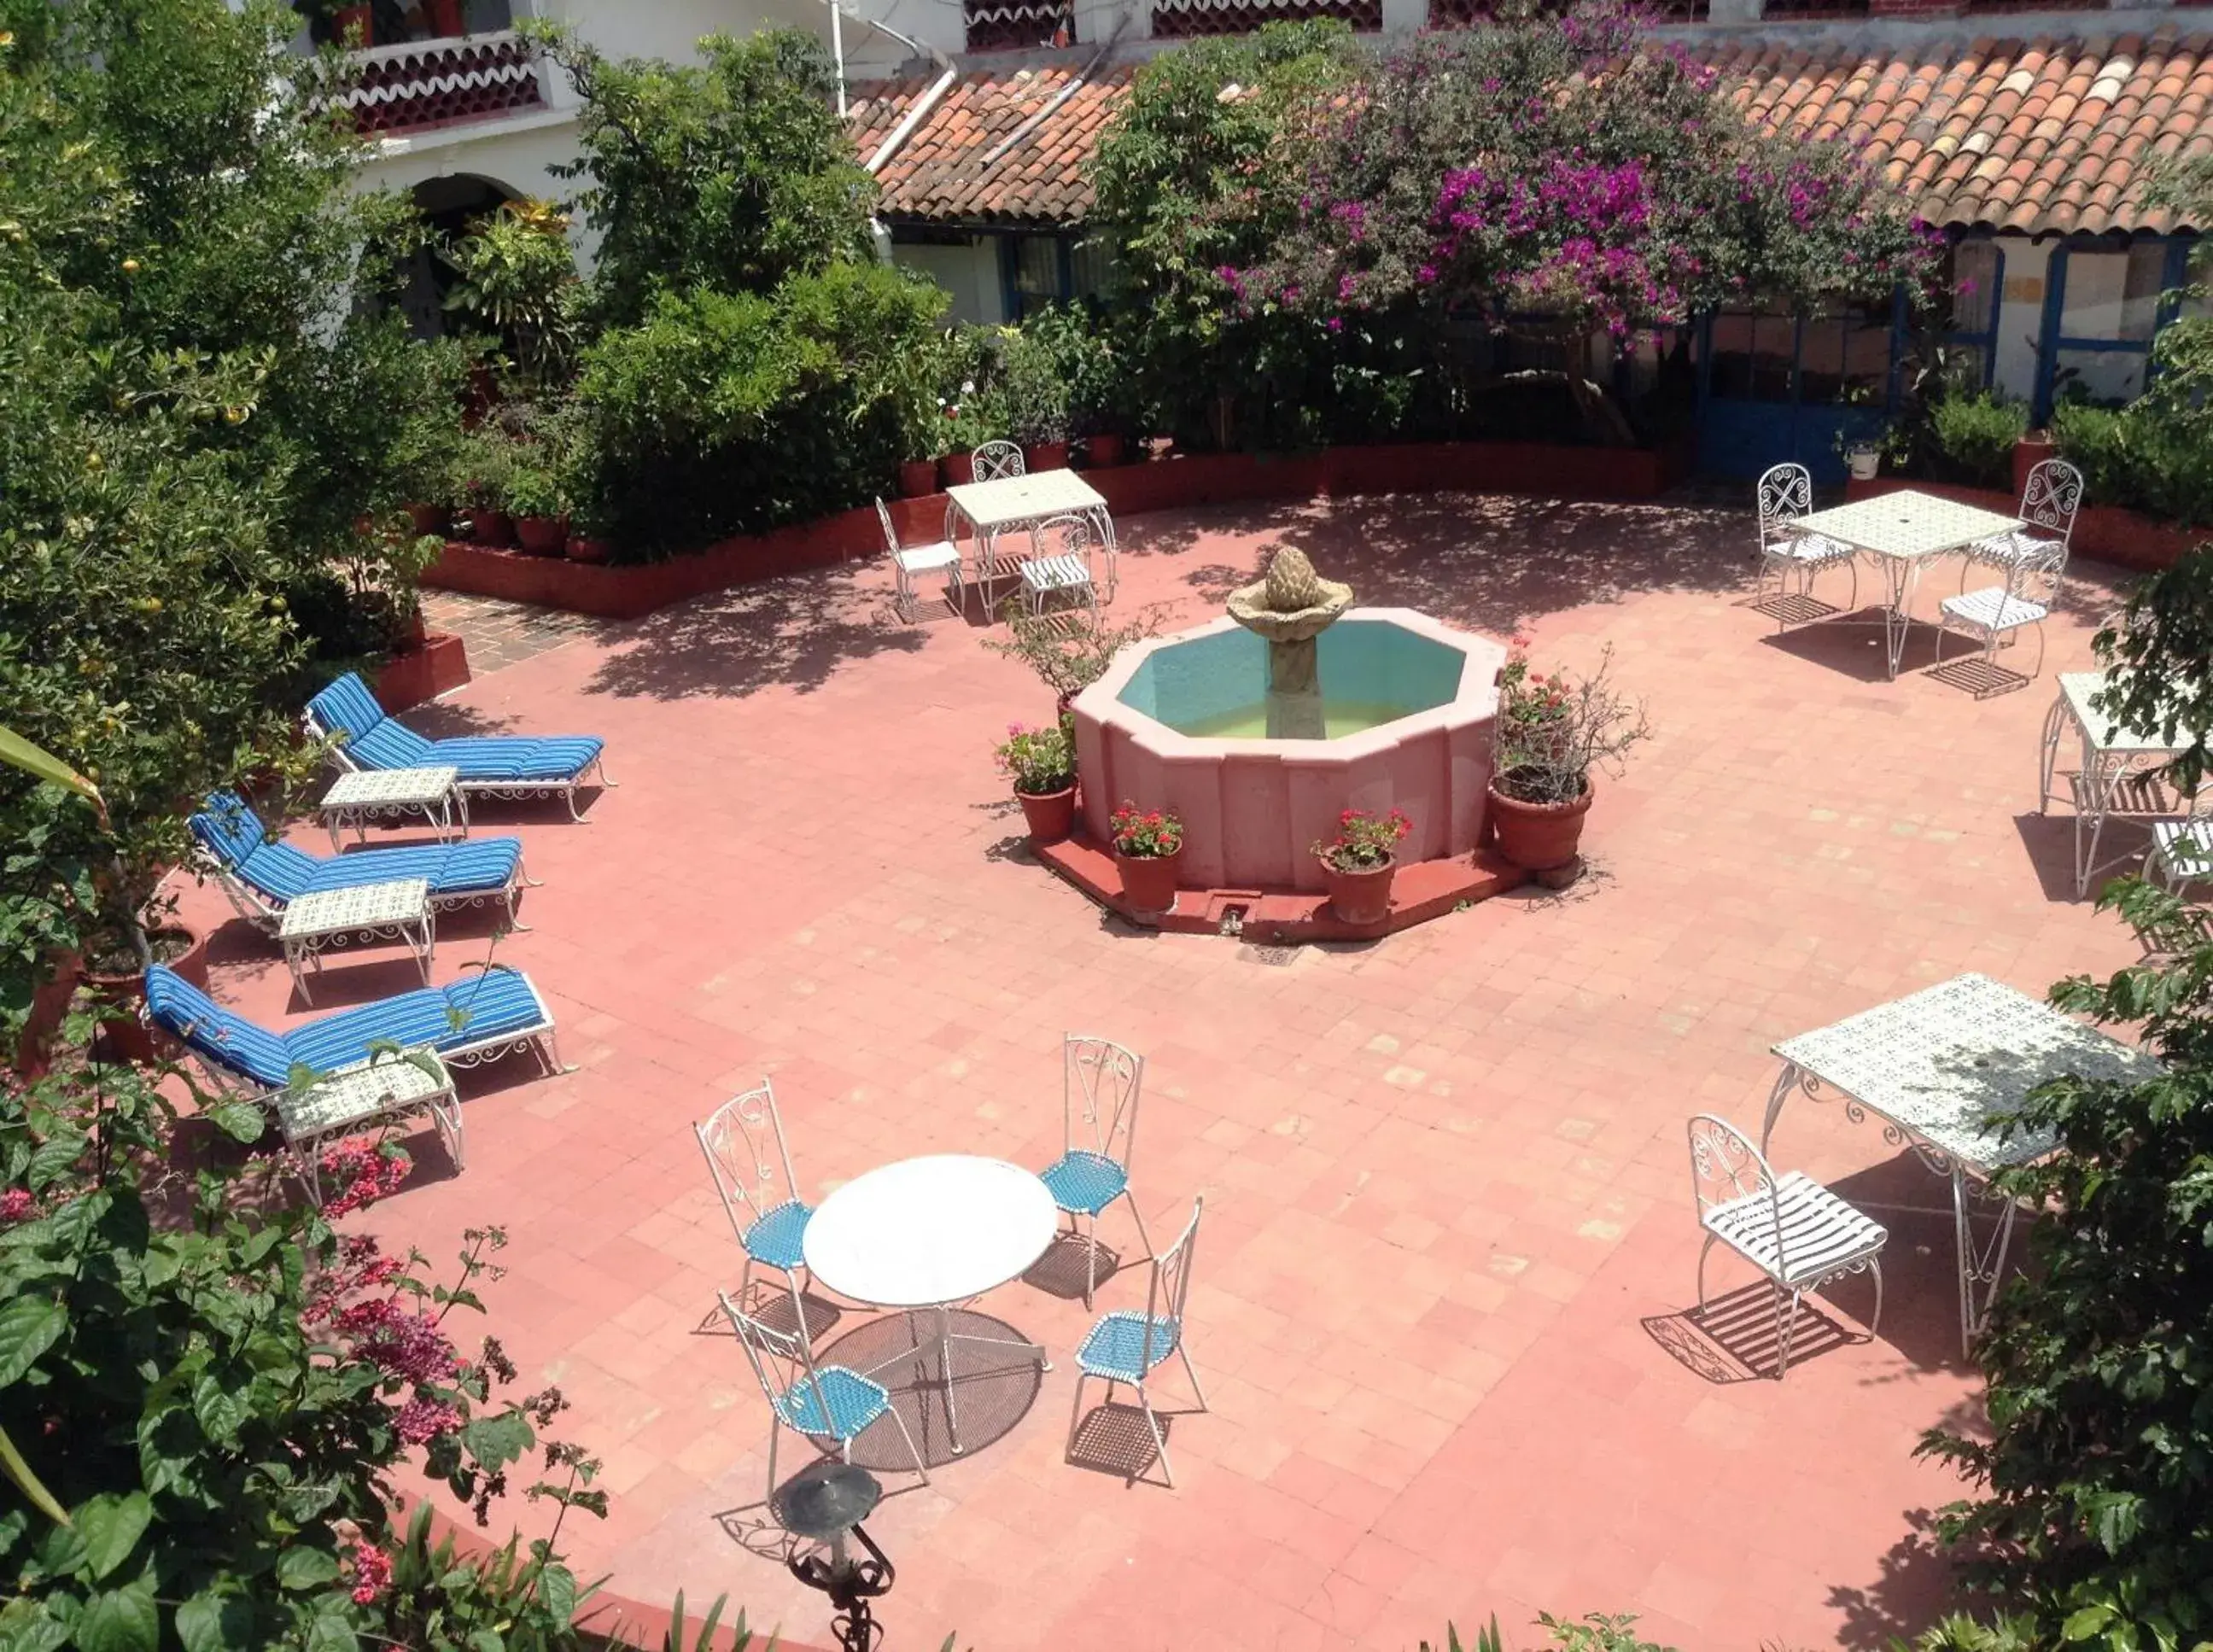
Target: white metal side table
{"x": 329, "y": 920}
{"x": 1900, "y": 531}
{"x": 386, "y": 1088}
{"x": 365, "y": 794}
{"x": 1946, "y": 1070}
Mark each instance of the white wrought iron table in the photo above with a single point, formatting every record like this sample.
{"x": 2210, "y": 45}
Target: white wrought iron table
{"x": 384, "y": 1087}
{"x": 2119, "y": 775}
{"x": 334, "y": 919}
{"x": 991, "y": 508}
{"x": 1946, "y": 1070}
{"x": 1899, "y": 532}
{"x": 364, "y": 794}
{"x": 929, "y": 1234}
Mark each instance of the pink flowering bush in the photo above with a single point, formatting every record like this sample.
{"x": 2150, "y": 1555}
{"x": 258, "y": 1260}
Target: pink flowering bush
{"x": 219, "y": 1391}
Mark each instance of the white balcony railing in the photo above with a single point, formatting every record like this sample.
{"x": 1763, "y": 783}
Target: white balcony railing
{"x": 420, "y": 84}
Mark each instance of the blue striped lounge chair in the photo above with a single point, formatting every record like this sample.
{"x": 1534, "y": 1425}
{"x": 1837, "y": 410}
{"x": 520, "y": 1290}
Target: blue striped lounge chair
{"x": 490, "y": 765}
{"x": 263, "y": 877}
{"x": 477, "y": 1019}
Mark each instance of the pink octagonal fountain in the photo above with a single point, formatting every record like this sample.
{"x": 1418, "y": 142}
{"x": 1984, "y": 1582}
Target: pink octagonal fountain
{"x": 1404, "y": 707}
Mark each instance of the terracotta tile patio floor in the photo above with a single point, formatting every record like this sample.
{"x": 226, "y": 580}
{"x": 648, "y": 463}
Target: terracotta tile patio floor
{"x": 1449, "y": 1250}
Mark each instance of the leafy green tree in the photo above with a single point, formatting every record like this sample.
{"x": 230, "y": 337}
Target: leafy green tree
{"x": 734, "y": 175}
{"x": 2097, "y": 1480}
{"x": 205, "y": 433}
{"x": 1187, "y": 181}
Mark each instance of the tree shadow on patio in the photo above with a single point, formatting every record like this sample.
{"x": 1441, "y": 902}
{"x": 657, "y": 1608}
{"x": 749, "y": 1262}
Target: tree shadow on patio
{"x": 1916, "y": 1586}
{"x": 795, "y": 632}
{"x": 1487, "y": 561}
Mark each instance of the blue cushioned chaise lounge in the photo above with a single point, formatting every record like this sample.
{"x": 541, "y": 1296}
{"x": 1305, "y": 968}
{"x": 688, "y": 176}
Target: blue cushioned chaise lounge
{"x": 479, "y": 1018}
{"x": 263, "y": 878}
{"x": 490, "y": 765}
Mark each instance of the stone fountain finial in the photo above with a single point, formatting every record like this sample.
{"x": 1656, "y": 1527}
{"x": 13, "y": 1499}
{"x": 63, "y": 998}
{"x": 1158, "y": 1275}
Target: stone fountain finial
{"x": 1292, "y": 602}
{"x": 1290, "y": 607}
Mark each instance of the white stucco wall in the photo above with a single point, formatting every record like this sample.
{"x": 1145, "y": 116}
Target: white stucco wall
{"x": 2021, "y": 316}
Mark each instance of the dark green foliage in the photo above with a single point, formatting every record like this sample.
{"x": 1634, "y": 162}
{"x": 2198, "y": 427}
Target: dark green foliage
{"x": 735, "y": 175}
{"x": 192, "y": 1369}
{"x": 2096, "y": 1485}
{"x": 1971, "y": 439}
{"x": 734, "y": 412}
{"x": 2154, "y": 455}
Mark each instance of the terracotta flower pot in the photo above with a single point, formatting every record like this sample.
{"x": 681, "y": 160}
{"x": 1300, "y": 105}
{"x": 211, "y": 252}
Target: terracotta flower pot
{"x": 1539, "y": 837}
{"x": 1148, "y": 882}
{"x": 1104, "y": 450}
{"x": 543, "y": 536}
{"x": 918, "y": 477}
{"x": 179, "y": 945}
{"x": 1363, "y": 895}
{"x": 1045, "y": 455}
{"x": 960, "y": 468}
{"x": 583, "y": 549}
{"x": 492, "y": 527}
{"x": 446, "y": 17}
{"x": 350, "y": 26}
{"x": 431, "y": 519}
{"x": 1051, "y": 815}
{"x": 49, "y": 1004}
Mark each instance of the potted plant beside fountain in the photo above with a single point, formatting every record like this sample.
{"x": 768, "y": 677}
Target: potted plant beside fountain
{"x": 1553, "y": 733}
{"x": 1359, "y": 862}
{"x": 1148, "y": 849}
{"x": 1041, "y": 762}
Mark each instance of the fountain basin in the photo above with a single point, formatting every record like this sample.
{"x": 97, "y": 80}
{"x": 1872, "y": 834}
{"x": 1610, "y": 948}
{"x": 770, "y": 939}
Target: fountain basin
{"x": 1410, "y": 704}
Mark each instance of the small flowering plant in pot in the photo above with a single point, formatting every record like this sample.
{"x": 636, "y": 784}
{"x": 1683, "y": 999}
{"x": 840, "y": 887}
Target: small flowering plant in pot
{"x": 1554, "y": 732}
{"x": 1041, "y": 762}
{"x": 1360, "y": 861}
{"x": 1148, "y": 849}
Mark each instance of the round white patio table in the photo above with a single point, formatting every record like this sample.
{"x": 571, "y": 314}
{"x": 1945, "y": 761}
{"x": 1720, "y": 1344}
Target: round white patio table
{"x": 932, "y": 1233}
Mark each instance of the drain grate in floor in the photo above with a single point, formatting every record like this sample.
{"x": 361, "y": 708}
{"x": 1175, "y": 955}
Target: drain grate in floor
{"x": 1274, "y": 957}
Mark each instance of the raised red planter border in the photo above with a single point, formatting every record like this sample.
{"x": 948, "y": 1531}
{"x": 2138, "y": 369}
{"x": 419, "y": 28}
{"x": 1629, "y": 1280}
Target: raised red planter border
{"x": 442, "y": 663}
{"x": 627, "y": 592}
{"x": 2105, "y": 532}
{"x": 1282, "y": 918}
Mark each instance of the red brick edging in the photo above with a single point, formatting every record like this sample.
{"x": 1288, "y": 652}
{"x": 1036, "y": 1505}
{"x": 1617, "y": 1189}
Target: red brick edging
{"x": 1277, "y": 918}
{"x": 2105, "y": 532}
{"x": 625, "y": 593}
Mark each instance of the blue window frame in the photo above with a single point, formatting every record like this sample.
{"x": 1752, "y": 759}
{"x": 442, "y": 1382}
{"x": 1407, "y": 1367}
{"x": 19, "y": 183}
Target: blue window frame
{"x": 2123, "y": 292}
{"x": 1775, "y": 387}
{"x": 1978, "y": 296}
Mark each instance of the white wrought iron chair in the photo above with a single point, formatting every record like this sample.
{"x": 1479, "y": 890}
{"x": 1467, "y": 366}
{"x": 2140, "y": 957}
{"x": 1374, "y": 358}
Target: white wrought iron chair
{"x": 1100, "y": 1083}
{"x": 1795, "y": 1231}
{"x": 743, "y": 1143}
{"x": 1124, "y": 1347}
{"x": 817, "y": 1402}
{"x": 1785, "y": 494}
{"x": 2048, "y": 504}
{"x": 995, "y": 459}
{"x": 910, "y": 561}
{"x": 1060, "y": 561}
{"x": 1990, "y": 614}
{"x": 2182, "y": 850}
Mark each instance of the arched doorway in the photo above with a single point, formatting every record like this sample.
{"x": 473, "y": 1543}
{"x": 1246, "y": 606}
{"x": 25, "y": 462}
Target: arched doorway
{"x": 449, "y": 205}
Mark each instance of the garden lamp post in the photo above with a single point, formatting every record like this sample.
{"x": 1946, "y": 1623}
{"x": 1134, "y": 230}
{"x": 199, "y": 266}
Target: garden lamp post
{"x": 827, "y": 1503}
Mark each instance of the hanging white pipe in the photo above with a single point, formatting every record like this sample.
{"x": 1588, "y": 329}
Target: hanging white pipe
{"x": 1075, "y": 84}
{"x": 837, "y": 52}
{"x": 913, "y": 118}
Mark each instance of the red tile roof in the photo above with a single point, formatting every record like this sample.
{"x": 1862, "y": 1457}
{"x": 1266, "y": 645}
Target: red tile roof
{"x": 2045, "y": 134}
{"x": 939, "y": 174}
{"x": 2049, "y": 134}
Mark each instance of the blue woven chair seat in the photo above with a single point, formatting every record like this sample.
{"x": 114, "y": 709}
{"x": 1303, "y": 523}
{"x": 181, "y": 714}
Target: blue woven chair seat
{"x": 348, "y": 710}
{"x": 472, "y": 1011}
{"x": 1115, "y": 1346}
{"x": 1084, "y": 1184}
{"x": 232, "y": 832}
{"x": 838, "y": 1406}
{"x": 777, "y": 1238}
